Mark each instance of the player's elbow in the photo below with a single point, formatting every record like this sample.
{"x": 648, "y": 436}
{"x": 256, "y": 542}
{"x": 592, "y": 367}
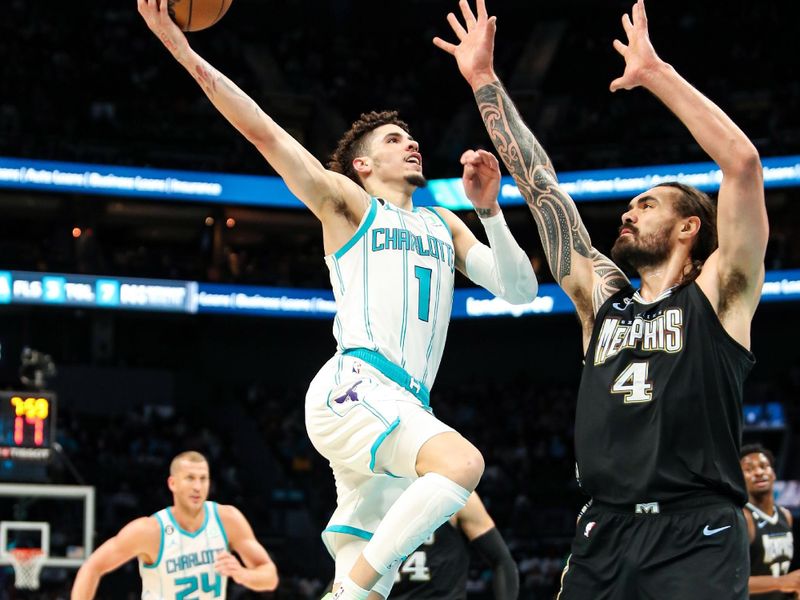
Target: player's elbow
{"x": 268, "y": 580}
{"x": 525, "y": 291}
{"x": 273, "y": 580}
{"x": 745, "y": 161}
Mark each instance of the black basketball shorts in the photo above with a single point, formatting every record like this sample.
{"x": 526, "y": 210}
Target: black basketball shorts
{"x": 651, "y": 552}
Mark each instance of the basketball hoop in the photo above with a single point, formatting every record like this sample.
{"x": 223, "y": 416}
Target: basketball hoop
{"x": 27, "y": 563}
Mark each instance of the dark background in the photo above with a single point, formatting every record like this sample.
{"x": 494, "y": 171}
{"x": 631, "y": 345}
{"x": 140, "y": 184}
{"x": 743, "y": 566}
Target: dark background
{"x": 86, "y": 81}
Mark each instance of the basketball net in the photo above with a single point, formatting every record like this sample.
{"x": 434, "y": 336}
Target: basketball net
{"x": 27, "y": 563}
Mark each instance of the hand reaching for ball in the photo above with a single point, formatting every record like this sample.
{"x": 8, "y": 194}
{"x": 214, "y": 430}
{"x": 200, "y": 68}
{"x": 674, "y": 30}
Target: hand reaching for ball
{"x": 158, "y": 20}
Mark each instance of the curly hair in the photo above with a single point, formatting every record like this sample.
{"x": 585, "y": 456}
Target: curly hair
{"x": 353, "y": 142}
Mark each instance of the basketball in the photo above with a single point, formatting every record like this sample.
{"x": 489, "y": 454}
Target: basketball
{"x": 194, "y": 15}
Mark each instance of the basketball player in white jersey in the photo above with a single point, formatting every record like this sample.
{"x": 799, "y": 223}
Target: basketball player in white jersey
{"x": 392, "y": 270}
{"x": 184, "y": 550}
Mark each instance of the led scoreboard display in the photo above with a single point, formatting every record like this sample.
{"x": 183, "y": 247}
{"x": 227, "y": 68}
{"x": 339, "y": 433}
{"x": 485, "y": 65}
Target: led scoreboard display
{"x": 27, "y": 425}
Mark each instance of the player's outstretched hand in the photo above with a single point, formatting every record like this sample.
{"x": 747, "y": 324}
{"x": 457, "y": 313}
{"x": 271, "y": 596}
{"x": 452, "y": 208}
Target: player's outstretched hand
{"x": 481, "y": 180}
{"x": 475, "y": 51}
{"x": 158, "y": 20}
{"x": 639, "y": 54}
{"x": 228, "y": 565}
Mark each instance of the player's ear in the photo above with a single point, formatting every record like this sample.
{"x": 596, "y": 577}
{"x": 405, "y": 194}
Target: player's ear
{"x": 690, "y": 226}
{"x": 171, "y": 483}
{"x": 362, "y": 165}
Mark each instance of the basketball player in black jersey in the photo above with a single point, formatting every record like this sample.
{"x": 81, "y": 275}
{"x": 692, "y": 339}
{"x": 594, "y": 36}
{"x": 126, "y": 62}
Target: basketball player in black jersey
{"x": 439, "y": 567}
{"x": 659, "y": 415}
{"x": 769, "y": 528}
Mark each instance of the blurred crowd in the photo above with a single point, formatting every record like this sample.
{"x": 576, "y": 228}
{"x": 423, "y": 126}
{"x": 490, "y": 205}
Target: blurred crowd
{"x": 93, "y": 85}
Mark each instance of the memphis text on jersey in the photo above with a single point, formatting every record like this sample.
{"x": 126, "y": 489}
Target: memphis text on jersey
{"x": 192, "y": 560}
{"x": 394, "y": 238}
{"x": 660, "y": 333}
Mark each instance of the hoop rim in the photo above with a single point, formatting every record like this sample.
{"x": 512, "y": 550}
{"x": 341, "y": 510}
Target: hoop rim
{"x": 24, "y": 555}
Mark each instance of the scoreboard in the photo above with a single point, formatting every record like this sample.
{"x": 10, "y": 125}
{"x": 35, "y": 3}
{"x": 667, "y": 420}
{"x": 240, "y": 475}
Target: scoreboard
{"x": 27, "y": 425}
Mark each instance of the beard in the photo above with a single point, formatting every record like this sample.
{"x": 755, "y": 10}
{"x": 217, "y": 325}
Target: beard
{"x": 417, "y": 180}
{"x": 634, "y": 252}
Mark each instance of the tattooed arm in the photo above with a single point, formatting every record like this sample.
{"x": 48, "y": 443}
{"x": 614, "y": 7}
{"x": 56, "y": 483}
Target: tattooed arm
{"x": 323, "y": 191}
{"x": 588, "y": 277}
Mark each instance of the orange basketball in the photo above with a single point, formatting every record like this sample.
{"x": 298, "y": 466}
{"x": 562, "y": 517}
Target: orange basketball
{"x": 194, "y": 15}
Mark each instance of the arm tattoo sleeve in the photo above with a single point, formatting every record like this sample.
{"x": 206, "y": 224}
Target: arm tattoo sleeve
{"x": 610, "y": 280}
{"x": 556, "y": 216}
{"x": 560, "y": 226}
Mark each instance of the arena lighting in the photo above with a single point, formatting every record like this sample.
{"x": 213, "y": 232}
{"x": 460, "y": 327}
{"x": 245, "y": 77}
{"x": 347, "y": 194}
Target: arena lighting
{"x": 252, "y": 190}
{"x": 162, "y": 295}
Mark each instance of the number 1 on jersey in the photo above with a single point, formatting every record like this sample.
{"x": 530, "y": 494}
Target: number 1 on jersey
{"x": 633, "y": 383}
{"x": 423, "y": 275}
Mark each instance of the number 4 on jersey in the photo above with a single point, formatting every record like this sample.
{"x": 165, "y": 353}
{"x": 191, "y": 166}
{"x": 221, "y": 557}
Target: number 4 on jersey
{"x": 634, "y": 384}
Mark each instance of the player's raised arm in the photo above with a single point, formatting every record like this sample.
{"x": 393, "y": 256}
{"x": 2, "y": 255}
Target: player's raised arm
{"x": 138, "y": 538}
{"x": 259, "y": 573}
{"x": 503, "y": 268}
{"x": 320, "y": 189}
{"x": 587, "y": 276}
{"x": 732, "y": 276}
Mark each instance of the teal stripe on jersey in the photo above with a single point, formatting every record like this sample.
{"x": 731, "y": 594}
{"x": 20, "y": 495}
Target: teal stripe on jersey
{"x": 339, "y": 276}
{"x": 215, "y": 506}
{"x": 404, "y": 324}
{"x": 435, "y": 312}
{"x": 365, "y": 225}
{"x": 441, "y": 218}
{"x": 365, "y": 248}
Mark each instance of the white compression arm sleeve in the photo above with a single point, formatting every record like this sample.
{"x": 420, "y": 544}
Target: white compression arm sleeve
{"x": 504, "y": 269}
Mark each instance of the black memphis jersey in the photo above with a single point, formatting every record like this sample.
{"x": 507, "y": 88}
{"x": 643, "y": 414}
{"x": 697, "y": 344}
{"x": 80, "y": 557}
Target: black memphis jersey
{"x": 772, "y": 548}
{"x": 659, "y": 414}
{"x": 437, "y": 569}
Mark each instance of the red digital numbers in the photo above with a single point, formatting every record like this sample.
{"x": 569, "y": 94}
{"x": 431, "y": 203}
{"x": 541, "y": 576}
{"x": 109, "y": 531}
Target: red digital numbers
{"x": 30, "y": 411}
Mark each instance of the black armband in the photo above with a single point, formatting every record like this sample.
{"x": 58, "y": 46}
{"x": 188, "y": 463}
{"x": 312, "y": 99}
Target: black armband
{"x": 505, "y": 577}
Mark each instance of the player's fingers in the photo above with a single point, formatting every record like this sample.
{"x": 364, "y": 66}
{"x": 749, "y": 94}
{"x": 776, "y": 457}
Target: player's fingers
{"x": 446, "y": 46}
{"x": 464, "y": 157}
{"x": 469, "y": 18}
{"x": 640, "y": 14}
{"x": 482, "y": 13}
{"x": 490, "y": 160}
{"x": 627, "y": 25}
{"x": 460, "y": 32}
{"x": 617, "y": 84}
{"x": 492, "y": 25}
{"x": 620, "y": 47}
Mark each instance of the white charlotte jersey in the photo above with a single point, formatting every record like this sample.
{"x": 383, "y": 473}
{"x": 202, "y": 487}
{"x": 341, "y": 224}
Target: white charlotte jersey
{"x": 393, "y": 284}
{"x": 184, "y": 569}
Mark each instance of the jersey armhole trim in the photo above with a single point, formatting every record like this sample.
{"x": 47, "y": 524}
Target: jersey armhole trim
{"x": 160, "y": 546}
{"x": 366, "y": 222}
{"x": 441, "y": 218}
{"x": 719, "y": 329}
{"x": 214, "y": 507}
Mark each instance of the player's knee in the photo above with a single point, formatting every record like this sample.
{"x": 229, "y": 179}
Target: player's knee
{"x": 475, "y": 466}
{"x": 466, "y": 467}
{"x": 452, "y": 456}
